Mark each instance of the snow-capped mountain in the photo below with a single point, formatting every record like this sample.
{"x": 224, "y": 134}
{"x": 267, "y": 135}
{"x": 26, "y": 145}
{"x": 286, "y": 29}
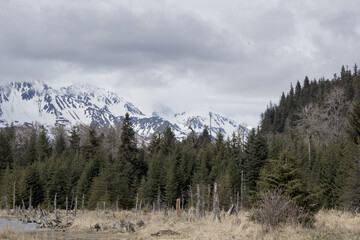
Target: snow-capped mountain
{"x": 26, "y": 103}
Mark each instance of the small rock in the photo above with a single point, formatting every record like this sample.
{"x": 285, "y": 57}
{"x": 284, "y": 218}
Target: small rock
{"x": 140, "y": 223}
{"x": 128, "y": 227}
{"x": 97, "y": 227}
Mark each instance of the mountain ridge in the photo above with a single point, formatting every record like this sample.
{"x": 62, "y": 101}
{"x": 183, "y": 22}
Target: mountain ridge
{"x": 29, "y": 102}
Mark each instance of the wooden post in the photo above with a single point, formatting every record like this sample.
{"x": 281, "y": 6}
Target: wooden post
{"x": 198, "y": 203}
{"x": 72, "y": 198}
{"x": 7, "y": 206}
{"x": 82, "y": 204}
{"x": 30, "y": 207}
{"x": 136, "y": 208}
{"x": 182, "y": 200}
{"x": 48, "y": 212}
{"x": 242, "y": 190}
{"x": 23, "y": 206}
{"x": 178, "y": 212}
{"x": 153, "y": 207}
{"x": 55, "y": 210}
{"x": 208, "y": 200}
{"x": 203, "y": 203}
{"x": 97, "y": 208}
{"x": 191, "y": 197}
{"x": 237, "y": 203}
{"x": 117, "y": 206}
{"x": 104, "y": 207}
{"x": 14, "y": 198}
{"x": 140, "y": 209}
{"x": 159, "y": 199}
{"x": 165, "y": 212}
{"x": 216, "y": 209}
{"x": 75, "y": 208}
{"x": 67, "y": 205}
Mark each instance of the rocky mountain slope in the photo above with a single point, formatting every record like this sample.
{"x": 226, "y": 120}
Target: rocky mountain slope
{"x": 26, "y": 103}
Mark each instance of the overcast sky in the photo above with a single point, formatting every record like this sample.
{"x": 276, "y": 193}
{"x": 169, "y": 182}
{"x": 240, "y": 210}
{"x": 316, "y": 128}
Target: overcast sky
{"x": 229, "y": 56}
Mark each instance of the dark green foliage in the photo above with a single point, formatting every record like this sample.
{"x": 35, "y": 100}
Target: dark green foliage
{"x": 30, "y": 182}
{"x": 108, "y": 165}
{"x": 354, "y": 123}
{"x": 6, "y": 157}
{"x": 352, "y": 190}
{"x": 44, "y": 148}
{"x": 75, "y": 139}
{"x": 283, "y": 174}
{"x": 130, "y": 167}
{"x": 60, "y": 144}
{"x": 255, "y": 154}
{"x": 31, "y": 151}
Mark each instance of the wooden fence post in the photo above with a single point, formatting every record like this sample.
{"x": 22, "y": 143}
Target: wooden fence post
{"x": 30, "y": 207}
{"x": 14, "y": 198}
{"x": 55, "y": 210}
{"x": 67, "y": 205}
{"x": 198, "y": 203}
{"x": 216, "y": 209}
{"x": 75, "y": 208}
{"x": 136, "y": 208}
{"x": 83, "y": 203}
{"x": 242, "y": 189}
{"x": 178, "y": 212}
{"x": 191, "y": 197}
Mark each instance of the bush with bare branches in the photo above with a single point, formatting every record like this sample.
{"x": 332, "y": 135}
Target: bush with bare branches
{"x": 275, "y": 209}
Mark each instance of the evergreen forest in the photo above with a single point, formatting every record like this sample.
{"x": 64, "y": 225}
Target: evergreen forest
{"x": 307, "y": 146}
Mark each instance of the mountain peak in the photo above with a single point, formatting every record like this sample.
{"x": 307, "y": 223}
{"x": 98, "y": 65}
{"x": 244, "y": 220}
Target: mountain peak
{"x": 28, "y": 102}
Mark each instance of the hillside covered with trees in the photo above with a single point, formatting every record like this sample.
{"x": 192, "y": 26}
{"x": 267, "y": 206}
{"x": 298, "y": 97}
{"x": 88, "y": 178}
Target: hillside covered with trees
{"x": 307, "y": 146}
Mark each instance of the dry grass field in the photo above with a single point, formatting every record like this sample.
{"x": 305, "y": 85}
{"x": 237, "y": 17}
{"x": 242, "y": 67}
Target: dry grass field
{"x": 329, "y": 225}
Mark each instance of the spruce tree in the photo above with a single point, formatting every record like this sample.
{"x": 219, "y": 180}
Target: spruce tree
{"x": 256, "y": 152}
{"x": 43, "y": 145}
{"x": 75, "y": 139}
{"x": 129, "y": 166}
{"x": 6, "y": 157}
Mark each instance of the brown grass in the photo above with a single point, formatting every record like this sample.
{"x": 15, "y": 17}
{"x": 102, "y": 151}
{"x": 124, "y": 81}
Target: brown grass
{"x": 329, "y": 225}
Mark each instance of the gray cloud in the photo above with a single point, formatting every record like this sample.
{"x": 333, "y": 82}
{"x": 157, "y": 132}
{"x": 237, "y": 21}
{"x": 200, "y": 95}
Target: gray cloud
{"x": 185, "y": 51}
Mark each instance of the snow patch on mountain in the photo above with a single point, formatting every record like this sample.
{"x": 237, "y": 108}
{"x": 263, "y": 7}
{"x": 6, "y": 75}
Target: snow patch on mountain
{"x": 29, "y": 102}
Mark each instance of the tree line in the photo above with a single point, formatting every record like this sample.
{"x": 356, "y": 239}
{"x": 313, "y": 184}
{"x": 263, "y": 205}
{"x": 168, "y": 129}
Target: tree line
{"x": 307, "y": 147}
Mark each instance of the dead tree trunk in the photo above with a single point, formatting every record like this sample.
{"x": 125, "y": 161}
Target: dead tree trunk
{"x": 75, "y": 208}
{"x": 14, "y": 199}
{"x": 136, "y": 207}
{"x": 203, "y": 203}
{"x": 140, "y": 208}
{"x": 117, "y": 206}
{"x": 191, "y": 196}
{"x": 6, "y": 205}
{"x": 82, "y": 204}
{"x": 30, "y": 207}
{"x": 178, "y": 212}
{"x": 242, "y": 190}
{"x": 182, "y": 200}
{"x": 55, "y": 210}
{"x": 104, "y": 207}
{"x": 159, "y": 199}
{"x": 216, "y": 208}
{"x": 237, "y": 203}
{"x": 67, "y": 205}
{"x": 198, "y": 203}
{"x": 48, "y": 211}
{"x": 208, "y": 200}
